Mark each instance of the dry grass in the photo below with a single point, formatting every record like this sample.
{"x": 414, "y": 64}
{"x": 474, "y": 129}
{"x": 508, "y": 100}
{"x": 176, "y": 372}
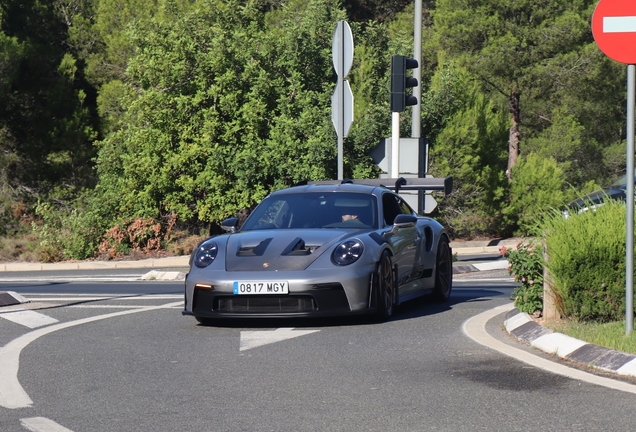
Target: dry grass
{"x": 19, "y": 248}
{"x": 183, "y": 243}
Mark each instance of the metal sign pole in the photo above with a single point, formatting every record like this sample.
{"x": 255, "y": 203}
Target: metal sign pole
{"x": 629, "y": 264}
{"x": 342, "y": 98}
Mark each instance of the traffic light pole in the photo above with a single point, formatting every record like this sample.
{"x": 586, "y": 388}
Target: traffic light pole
{"x": 416, "y": 128}
{"x": 395, "y": 145}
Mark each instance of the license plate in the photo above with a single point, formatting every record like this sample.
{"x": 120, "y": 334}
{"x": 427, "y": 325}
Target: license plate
{"x": 258, "y": 287}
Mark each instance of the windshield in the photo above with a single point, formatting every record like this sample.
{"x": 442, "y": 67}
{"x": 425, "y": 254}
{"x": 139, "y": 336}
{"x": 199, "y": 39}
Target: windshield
{"x": 621, "y": 183}
{"x": 314, "y": 210}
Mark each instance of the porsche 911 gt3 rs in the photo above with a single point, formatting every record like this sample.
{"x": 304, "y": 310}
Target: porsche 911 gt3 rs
{"x": 323, "y": 249}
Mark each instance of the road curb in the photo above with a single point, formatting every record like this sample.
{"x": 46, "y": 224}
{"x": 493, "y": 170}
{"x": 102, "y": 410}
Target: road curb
{"x": 10, "y": 298}
{"x": 178, "y": 261}
{"x": 521, "y": 326}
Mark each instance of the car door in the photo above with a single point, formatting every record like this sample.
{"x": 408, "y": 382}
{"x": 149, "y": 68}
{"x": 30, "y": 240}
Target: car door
{"x": 405, "y": 241}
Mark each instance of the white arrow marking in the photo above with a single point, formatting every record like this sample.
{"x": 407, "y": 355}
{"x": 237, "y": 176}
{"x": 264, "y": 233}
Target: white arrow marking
{"x": 42, "y": 424}
{"x": 622, "y": 24}
{"x": 28, "y": 318}
{"x": 253, "y": 339}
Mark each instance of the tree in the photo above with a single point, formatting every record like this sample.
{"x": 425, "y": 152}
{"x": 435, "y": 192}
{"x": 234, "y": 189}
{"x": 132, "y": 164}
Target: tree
{"x": 46, "y": 125}
{"x": 223, "y": 104}
{"x": 466, "y": 130}
{"x": 508, "y": 46}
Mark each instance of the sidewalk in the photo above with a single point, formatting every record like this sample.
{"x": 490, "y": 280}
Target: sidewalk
{"x": 178, "y": 261}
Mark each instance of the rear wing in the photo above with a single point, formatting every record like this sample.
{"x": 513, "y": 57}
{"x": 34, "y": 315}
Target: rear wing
{"x": 398, "y": 184}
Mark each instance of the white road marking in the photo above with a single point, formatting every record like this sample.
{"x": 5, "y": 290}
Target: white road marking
{"x": 253, "y": 339}
{"x": 105, "y": 297}
{"x": 12, "y": 395}
{"x": 475, "y": 328}
{"x": 494, "y": 265}
{"x": 619, "y": 24}
{"x": 27, "y": 318}
{"x": 42, "y": 424}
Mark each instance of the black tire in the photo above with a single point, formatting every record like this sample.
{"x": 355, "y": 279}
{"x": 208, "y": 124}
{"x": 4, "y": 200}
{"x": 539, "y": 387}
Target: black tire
{"x": 384, "y": 287}
{"x": 443, "y": 271}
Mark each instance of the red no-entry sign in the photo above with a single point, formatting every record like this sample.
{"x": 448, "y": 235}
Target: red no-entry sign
{"x": 614, "y": 29}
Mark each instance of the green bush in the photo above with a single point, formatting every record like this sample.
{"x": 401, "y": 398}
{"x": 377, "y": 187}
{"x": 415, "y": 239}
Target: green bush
{"x": 526, "y": 265}
{"x": 586, "y": 260}
{"x": 67, "y": 234}
{"x": 536, "y": 186}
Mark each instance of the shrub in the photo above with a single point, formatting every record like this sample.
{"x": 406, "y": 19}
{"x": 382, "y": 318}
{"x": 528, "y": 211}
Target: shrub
{"x": 66, "y": 234}
{"x": 136, "y": 235}
{"x": 586, "y": 260}
{"x": 536, "y": 187}
{"x": 526, "y": 265}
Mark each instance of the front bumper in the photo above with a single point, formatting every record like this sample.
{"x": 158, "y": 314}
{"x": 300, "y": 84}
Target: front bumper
{"x": 315, "y": 295}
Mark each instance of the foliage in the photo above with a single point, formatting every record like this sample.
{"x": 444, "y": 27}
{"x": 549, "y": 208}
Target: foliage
{"x": 526, "y": 265}
{"x": 466, "y": 131}
{"x": 222, "y": 114}
{"x": 536, "y": 187}
{"x": 67, "y": 233}
{"x": 136, "y": 235}
{"x": 519, "y": 52}
{"x": 199, "y": 108}
{"x": 586, "y": 260}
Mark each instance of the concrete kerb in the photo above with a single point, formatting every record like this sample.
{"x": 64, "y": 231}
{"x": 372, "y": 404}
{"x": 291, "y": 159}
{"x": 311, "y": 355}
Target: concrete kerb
{"x": 180, "y": 261}
{"x": 521, "y": 326}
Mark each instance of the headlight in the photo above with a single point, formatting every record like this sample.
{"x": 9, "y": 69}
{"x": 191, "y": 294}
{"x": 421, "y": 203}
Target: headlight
{"x": 205, "y": 254}
{"x": 348, "y": 252}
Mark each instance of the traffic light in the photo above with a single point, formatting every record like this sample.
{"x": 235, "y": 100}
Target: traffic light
{"x": 400, "y": 82}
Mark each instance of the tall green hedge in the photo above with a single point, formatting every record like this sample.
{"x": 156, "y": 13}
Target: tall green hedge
{"x": 586, "y": 259}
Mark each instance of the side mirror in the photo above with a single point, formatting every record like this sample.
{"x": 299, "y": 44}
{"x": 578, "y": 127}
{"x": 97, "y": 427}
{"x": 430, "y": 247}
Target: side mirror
{"x": 230, "y": 225}
{"x": 404, "y": 221}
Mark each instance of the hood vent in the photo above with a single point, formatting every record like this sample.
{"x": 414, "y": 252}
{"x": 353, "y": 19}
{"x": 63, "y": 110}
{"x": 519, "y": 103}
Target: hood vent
{"x": 297, "y": 247}
{"x": 255, "y": 251}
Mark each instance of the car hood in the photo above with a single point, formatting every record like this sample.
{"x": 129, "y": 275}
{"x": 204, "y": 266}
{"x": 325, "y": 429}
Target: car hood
{"x": 276, "y": 250}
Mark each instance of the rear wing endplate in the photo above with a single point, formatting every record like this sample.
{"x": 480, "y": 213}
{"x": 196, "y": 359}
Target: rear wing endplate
{"x": 398, "y": 184}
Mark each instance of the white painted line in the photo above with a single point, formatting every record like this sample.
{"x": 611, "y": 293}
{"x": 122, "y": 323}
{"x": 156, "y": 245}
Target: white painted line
{"x": 42, "y": 424}
{"x": 494, "y": 265}
{"x": 475, "y": 328}
{"x": 28, "y": 318}
{"x": 558, "y": 343}
{"x": 619, "y": 24}
{"x": 253, "y": 339}
{"x": 117, "y": 298}
{"x": 12, "y": 395}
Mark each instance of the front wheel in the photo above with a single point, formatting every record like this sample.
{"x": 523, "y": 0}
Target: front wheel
{"x": 443, "y": 271}
{"x": 384, "y": 287}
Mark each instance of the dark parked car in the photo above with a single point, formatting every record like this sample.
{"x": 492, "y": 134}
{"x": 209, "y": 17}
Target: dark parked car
{"x": 615, "y": 191}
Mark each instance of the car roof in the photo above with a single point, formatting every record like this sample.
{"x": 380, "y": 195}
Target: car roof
{"x": 322, "y": 188}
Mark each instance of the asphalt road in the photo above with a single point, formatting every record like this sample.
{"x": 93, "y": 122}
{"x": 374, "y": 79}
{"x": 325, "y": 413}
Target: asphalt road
{"x": 121, "y": 357}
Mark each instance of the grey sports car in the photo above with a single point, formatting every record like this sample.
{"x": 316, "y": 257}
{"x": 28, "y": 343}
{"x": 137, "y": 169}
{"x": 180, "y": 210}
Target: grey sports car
{"x": 321, "y": 249}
